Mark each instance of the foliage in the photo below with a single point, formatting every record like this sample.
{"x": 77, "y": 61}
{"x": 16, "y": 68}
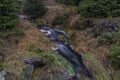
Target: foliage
{"x": 83, "y": 24}
{"x": 61, "y": 20}
{"x": 99, "y": 8}
{"x": 115, "y": 56}
{"x": 105, "y": 38}
{"x": 15, "y": 32}
{"x": 1, "y": 67}
{"x": 40, "y": 21}
{"x": 35, "y": 9}
{"x": 8, "y": 19}
{"x": 116, "y": 38}
{"x": 69, "y": 2}
{"x": 115, "y": 51}
{"x": 8, "y": 15}
{"x": 96, "y": 66}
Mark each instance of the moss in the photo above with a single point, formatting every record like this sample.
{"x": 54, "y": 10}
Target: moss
{"x": 1, "y": 67}
{"x": 46, "y": 40}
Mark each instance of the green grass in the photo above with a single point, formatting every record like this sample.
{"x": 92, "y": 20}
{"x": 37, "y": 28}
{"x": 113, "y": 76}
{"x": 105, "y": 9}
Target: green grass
{"x": 97, "y": 67}
{"x": 56, "y": 60}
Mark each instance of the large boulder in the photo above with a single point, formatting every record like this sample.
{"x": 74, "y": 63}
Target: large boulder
{"x": 31, "y": 64}
{"x": 36, "y": 61}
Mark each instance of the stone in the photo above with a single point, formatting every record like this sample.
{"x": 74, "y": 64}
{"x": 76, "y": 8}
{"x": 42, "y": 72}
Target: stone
{"x": 2, "y": 75}
{"x": 32, "y": 63}
{"x": 36, "y": 61}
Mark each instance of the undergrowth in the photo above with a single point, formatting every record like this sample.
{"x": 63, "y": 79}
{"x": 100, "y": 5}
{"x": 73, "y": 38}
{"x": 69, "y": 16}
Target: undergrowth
{"x": 99, "y": 71}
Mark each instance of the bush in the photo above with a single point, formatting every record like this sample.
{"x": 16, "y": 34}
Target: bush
{"x": 105, "y": 39}
{"x": 18, "y": 33}
{"x": 40, "y": 21}
{"x": 61, "y": 20}
{"x": 8, "y": 15}
{"x": 115, "y": 51}
{"x": 115, "y": 56}
{"x": 99, "y": 8}
{"x": 8, "y": 19}
{"x": 116, "y": 38}
{"x": 34, "y": 9}
{"x": 83, "y": 24}
{"x": 69, "y": 2}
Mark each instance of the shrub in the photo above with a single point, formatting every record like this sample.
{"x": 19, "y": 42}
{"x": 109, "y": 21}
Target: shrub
{"x": 99, "y": 8}
{"x": 115, "y": 51}
{"x": 116, "y": 38}
{"x": 83, "y": 24}
{"x": 40, "y": 21}
{"x": 61, "y": 20}
{"x": 18, "y": 33}
{"x": 105, "y": 38}
{"x": 8, "y": 15}
{"x": 34, "y": 9}
{"x": 8, "y": 19}
{"x": 115, "y": 56}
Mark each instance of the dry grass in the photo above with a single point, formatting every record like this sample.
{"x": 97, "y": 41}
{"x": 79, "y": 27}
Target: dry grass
{"x": 33, "y": 39}
{"x": 54, "y": 9}
{"x": 87, "y": 44}
{"x": 27, "y": 47}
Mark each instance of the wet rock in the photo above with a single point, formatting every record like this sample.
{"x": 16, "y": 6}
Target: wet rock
{"x": 2, "y": 75}
{"x": 29, "y": 71}
{"x": 22, "y": 16}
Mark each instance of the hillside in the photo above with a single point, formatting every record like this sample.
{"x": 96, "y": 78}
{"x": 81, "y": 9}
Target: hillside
{"x": 94, "y": 38}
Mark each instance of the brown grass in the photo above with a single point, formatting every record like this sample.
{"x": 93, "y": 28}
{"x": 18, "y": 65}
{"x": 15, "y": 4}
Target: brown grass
{"x": 33, "y": 39}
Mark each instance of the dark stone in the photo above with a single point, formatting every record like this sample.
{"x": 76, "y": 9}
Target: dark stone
{"x": 2, "y": 57}
{"x": 32, "y": 63}
{"x": 109, "y": 26}
{"x": 29, "y": 71}
{"x": 36, "y": 61}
